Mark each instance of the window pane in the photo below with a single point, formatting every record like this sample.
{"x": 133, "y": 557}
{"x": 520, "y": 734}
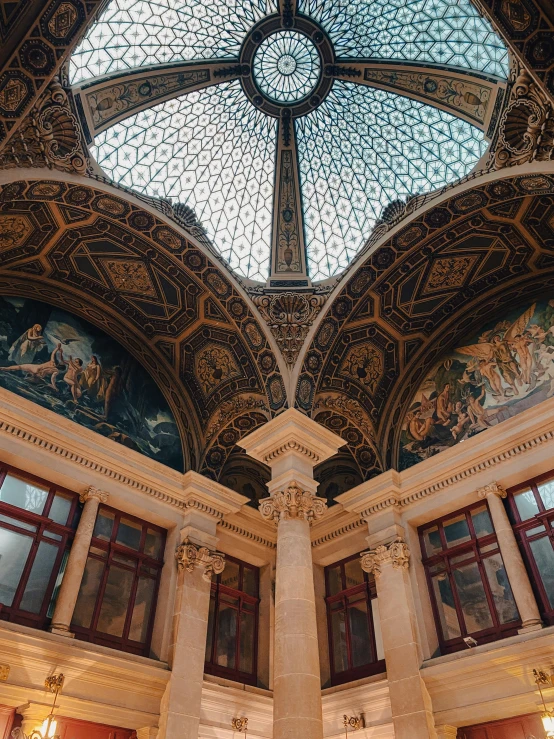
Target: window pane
{"x": 360, "y": 639}
{"x": 250, "y": 581}
{"x": 334, "y": 580}
{"x": 246, "y": 657}
{"x": 20, "y": 524}
{"x": 23, "y": 494}
{"x": 39, "y": 577}
{"x": 60, "y": 508}
{"x": 88, "y": 593}
{"x": 129, "y": 533}
{"x": 210, "y": 639}
{"x": 500, "y": 588}
{"x": 445, "y": 606}
{"x": 456, "y": 531}
{"x": 482, "y": 522}
{"x": 432, "y": 540}
{"x": 544, "y": 559}
{"x": 14, "y": 550}
{"x": 526, "y": 504}
{"x": 353, "y": 573}
{"x": 104, "y": 525}
{"x": 230, "y": 575}
{"x": 338, "y": 630}
{"x": 226, "y": 636}
{"x": 115, "y": 602}
{"x": 546, "y": 491}
{"x": 153, "y": 544}
{"x": 57, "y": 584}
{"x": 473, "y": 600}
{"x": 535, "y": 530}
{"x": 142, "y": 609}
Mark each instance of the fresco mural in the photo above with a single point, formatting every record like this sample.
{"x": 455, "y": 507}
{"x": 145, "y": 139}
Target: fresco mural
{"x": 69, "y": 366}
{"x": 504, "y": 369}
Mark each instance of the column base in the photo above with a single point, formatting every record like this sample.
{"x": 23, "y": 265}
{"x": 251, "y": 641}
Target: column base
{"x": 528, "y": 628}
{"x": 61, "y": 631}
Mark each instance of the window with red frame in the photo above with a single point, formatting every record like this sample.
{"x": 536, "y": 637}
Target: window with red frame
{"x": 116, "y": 600}
{"x": 231, "y": 647}
{"x": 532, "y": 512}
{"x": 37, "y": 523}
{"x": 469, "y": 588}
{"x": 355, "y": 645}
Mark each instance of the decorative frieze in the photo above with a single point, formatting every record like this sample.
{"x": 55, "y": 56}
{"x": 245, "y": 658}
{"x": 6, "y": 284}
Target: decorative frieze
{"x": 493, "y": 488}
{"x": 397, "y": 553}
{"x": 189, "y": 556}
{"x": 292, "y": 503}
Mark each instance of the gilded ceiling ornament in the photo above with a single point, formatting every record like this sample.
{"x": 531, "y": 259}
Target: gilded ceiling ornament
{"x": 130, "y": 276}
{"x": 14, "y": 231}
{"x": 214, "y": 365}
{"x": 397, "y": 553}
{"x": 364, "y": 364}
{"x": 189, "y": 556}
{"x": 350, "y": 408}
{"x": 449, "y": 272}
{"x": 292, "y": 503}
{"x": 229, "y": 409}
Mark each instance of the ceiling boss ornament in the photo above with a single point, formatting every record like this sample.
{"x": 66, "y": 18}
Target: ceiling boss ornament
{"x": 292, "y": 503}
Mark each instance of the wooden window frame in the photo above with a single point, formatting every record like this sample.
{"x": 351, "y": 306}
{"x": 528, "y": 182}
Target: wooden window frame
{"x": 367, "y": 587}
{"x": 113, "y": 549}
{"x": 475, "y": 544}
{"x": 217, "y": 590}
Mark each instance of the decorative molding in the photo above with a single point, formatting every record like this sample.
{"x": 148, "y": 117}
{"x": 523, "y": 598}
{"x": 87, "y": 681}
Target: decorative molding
{"x": 289, "y": 241}
{"x": 233, "y": 528}
{"x": 292, "y": 503}
{"x": 189, "y": 556}
{"x": 493, "y": 488}
{"x": 229, "y": 410}
{"x": 291, "y": 446}
{"x": 95, "y": 494}
{"x": 348, "y": 407}
{"x": 397, "y": 553}
{"x": 337, "y": 533}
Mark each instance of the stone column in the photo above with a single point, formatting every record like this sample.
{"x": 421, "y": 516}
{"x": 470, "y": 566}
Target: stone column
{"x": 412, "y": 712}
{"x": 147, "y": 732}
{"x": 447, "y": 732}
{"x": 513, "y": 562}
{"x": 73, "y": 575}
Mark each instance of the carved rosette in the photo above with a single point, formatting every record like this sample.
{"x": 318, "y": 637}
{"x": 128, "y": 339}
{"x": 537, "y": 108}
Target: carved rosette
{"x": 397, "y": 553}
{"x": 292, "y": 503}
{"x": 493, "y": 488}
{"x": 92, "y": 493}
{"x": 189, "y": 556}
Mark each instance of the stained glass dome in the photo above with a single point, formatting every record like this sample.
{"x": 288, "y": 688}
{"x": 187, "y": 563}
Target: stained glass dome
{"x": 288, "y": 127}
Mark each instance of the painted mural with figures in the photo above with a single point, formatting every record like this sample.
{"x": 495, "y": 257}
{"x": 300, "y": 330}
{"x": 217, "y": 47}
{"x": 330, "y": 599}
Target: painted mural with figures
{"x": 69, "y": 366}
{"x": 505, "y": 368}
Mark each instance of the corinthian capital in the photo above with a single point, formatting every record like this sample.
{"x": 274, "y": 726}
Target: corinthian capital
{"x": 92, "y": 493}
{"x": 397, "y": 553}
{"x": 292, "y": 503}
{"x": 493, "y": 488}
{"x": 189, "y": 556}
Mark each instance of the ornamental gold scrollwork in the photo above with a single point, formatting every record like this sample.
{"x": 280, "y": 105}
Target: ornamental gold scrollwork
{"x": 397, "y": 553}
{"x": 292, "y": 503}
{"x": 189, "y": 556}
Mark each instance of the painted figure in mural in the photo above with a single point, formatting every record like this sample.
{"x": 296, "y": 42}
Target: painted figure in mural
{"x": 71, "y": 377}
{"x": 27, "y": 346}
{"x": 506, "y": 368}
{"x": 35, "y": 372}
{"x": 92, "y": 379}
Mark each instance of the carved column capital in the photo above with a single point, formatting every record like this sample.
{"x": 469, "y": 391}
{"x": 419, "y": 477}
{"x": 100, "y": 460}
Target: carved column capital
{"x": 397, "y": 553}
{"x": 94, "y": 493}
{"x": 292, "y": 503}
{"x": 493, "y": 488}
{"x": 189, "y": 556}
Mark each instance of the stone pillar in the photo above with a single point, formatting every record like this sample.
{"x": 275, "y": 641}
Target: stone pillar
{"x": 412, "y": 712}
{"x": 292, "y": 445}
{"x": 73, "y": 575}
{"x": 513, "y": 562}
{"x": 148, "y": 732}
{"x": 447, "y": 732}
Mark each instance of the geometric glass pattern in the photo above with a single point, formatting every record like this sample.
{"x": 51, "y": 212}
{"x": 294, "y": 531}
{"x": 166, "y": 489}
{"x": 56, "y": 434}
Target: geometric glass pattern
{"x": 286, "y": 66}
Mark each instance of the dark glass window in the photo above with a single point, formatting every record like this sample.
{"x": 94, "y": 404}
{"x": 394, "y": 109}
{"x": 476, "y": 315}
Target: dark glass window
{"x": 116, "y": 600}
{"x": 37, "y": 522}
{"x": 231, "y": 647}
{"x": 469, "y": 587}
{"x": 532, "y": 512}
{"x": 353, "y": 622}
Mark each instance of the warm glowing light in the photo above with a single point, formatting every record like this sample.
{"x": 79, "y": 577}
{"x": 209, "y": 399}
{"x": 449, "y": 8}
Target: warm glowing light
{"x": 49, "y": 727}
{"x": 548, "y": 724}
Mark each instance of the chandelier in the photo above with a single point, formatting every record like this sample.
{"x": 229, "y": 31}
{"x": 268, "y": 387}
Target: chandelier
{"x": 53, "y": 684}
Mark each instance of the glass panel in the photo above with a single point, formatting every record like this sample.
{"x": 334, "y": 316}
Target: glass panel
{"x": 104, "y": 525}
{"x": 142, "y": 609}
{"x": 456, "y": 531}
{"x": 473, "y": 600}
{"x": 360, "y": 639}
{"x": 129, "y": 533}
{"x": 250, "y": 581}
{"x": 445, "y": 605}
{"x": 546, "y": 491}
{"x": 526, "y": 504}
{"x": 338, "y": 632}
{"x": 354, "y": 575}
{"x": 544, "y": 559}
{"x": 432, "y": 540}
{"x": 535, "y": 530}
{"x": 210, "y": 639}
{"x": 23, "y": 494}
{"x": 437, "y": 567}
{"x": 334, "y": 580}
{"x": 500, "y": 588}
{"x": 461, "y": 557}
{"x": 230, "y": 575}
{"x": 116, "y": 601}
{"x": 482, "y": 521}
{"x": 51, "y": 535}
{"x": 20, "y": 524}
{"x": 60, "y": 508}
{"x": 100, "y": 552}
{"x": 226, "y": 642}
{"x": 129, "y": 561}
{"x": 88, "y": 593}
{"x": 57, "y": 584}
{"x": 246, "y": 656}
{"x": 14, "y": 550}
{"x": 153, "y": 544}
{"x": 39, "y": 577}
{"x": 493, "y": 546}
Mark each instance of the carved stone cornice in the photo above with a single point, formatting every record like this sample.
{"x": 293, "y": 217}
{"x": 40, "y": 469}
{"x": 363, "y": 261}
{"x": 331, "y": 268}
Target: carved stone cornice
{"x": 95, "y": 494}
{"x": 189, "y": 556}
{"x": 289, "y": 446}
{"x": 292, "y": 503}
{"x": 493, "y": 488}
{"x": 397, "y": 553}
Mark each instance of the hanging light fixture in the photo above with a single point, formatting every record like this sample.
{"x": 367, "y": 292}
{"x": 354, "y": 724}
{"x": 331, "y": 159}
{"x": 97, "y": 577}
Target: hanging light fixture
{"x": 547, "y": 717}
{"x": 53, "y": 684}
